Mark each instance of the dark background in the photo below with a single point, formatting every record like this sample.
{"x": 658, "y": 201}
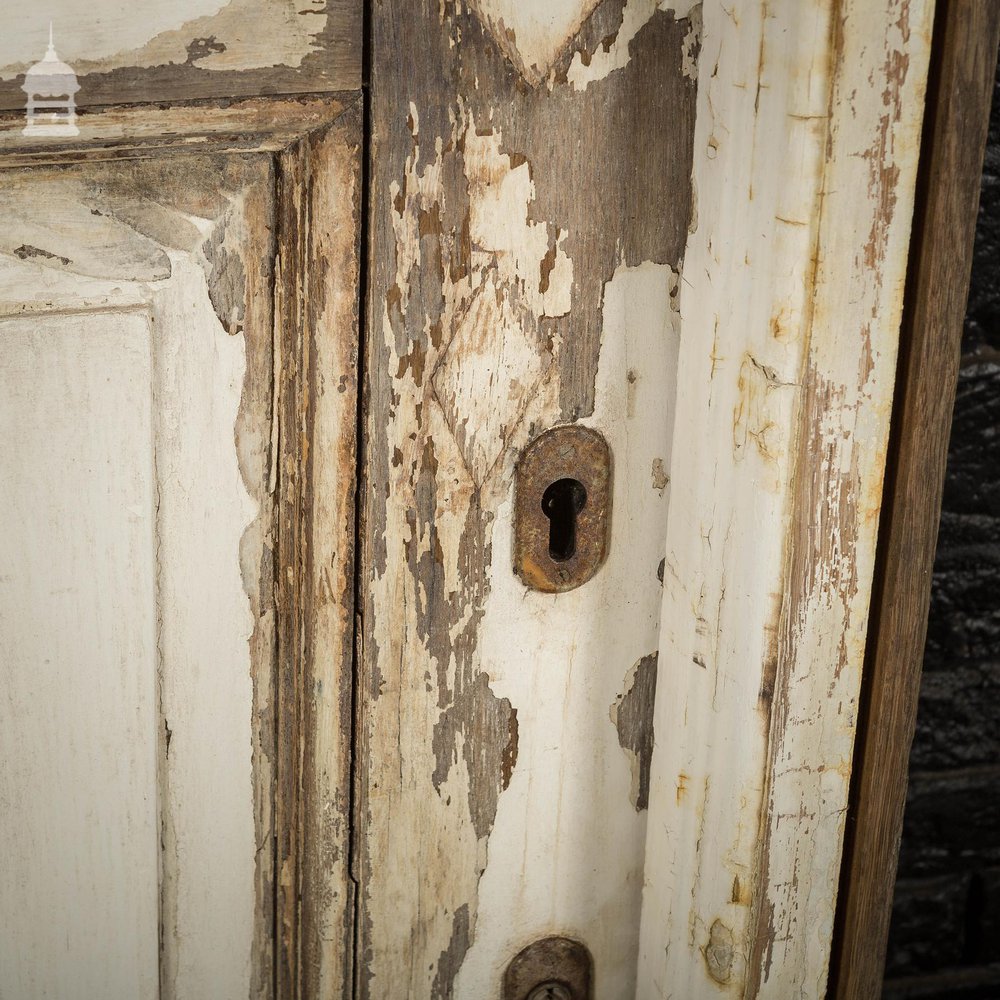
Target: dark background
{"x": 944, "y": 940}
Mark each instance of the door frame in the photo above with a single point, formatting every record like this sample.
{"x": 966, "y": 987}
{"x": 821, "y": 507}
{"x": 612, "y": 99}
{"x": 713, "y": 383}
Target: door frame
{"x": 960, "y": 90}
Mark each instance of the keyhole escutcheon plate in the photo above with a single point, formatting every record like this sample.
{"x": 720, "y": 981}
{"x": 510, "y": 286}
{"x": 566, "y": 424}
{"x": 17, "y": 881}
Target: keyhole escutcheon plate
{"x": 552, "y": 968}
{"x": 562, "y": 508}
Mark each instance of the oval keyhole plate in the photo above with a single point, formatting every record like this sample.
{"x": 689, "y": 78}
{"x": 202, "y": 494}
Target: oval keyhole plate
{"x": 552, "y": 968}
{"x": 562, "y": 508}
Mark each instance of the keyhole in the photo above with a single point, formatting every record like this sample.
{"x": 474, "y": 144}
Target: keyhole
{"x": 561, "y": 502}
{"x": 551, "y": 991}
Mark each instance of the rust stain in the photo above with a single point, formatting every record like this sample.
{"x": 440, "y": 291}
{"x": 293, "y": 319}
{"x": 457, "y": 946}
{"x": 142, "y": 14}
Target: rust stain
{"x": 752, "y": 420}
{"x": 682, "y": 788}
{"x": 571, "y": 452}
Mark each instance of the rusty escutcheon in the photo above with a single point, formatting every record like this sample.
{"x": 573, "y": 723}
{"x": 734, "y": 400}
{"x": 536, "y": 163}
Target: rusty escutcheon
{"x": 552, "y": 968}
{"x": 562, "y": 508}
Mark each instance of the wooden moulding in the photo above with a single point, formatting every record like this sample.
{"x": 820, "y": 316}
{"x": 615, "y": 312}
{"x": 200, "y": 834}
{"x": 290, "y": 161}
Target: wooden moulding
{"x": 966, "y": 36}
{"x": 317, "y": 321}
{"x": 255, "y": 124}
{"x": 308, "y": 259}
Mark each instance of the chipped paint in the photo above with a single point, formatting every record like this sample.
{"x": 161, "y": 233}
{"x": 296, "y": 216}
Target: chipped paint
{"x": 533, "y": 35}
{"x": 210, "y": 32}
{"x": 613, "y": 53}
{"x": 632, "y": 715}
{"x": 719, "y": 952}
{"x": 562, "y": 666}
{"x": 787, "y": 361}
{"x": 509, "y": 293}
{"x": 147, "y": 51}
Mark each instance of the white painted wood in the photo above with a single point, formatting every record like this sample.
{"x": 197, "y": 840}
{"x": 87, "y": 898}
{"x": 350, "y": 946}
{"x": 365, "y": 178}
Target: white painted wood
{"x": 567, "y": 848}
{"x": 124, "y": 598}
{"x": 78, "y": 715}
{"x": 806, "y": 148}
{"x": 110, "y": 35}
{"x": 205, "y": 625}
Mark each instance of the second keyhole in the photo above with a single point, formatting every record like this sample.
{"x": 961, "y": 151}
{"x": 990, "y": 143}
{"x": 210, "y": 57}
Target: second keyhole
{"x": 561, "y": 502}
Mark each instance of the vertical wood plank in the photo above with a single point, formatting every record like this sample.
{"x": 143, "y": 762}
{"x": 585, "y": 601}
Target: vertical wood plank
{"x": 805, "y": 158}
{"x": 526, "y": 239}
{"x": 333, "y": 186}
{"x": 78, "y": 705}
{"x": 967, "y": 33}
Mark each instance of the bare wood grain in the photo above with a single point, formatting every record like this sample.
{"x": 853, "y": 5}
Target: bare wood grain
{"x": 317, "y": 317}
{"x": 967, "y": 33}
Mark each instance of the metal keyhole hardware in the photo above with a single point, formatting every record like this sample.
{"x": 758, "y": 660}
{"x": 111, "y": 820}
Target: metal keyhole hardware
{"x": 561, "y": 502}
{"x": 551, "y": 968}
{"x": 562, "y": 508}
{"x": 550, "y": 991}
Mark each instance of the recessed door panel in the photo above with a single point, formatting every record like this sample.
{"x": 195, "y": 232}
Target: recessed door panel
{"x": 137, "y": 589}
{"x": 78, "y": 626}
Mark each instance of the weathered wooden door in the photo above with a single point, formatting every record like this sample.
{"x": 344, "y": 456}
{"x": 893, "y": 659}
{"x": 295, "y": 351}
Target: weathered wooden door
{"x": 684, "y": 226}
{"x": 486, "y": 621}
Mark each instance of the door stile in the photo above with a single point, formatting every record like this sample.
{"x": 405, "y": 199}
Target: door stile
{"x": 316, "y": 328}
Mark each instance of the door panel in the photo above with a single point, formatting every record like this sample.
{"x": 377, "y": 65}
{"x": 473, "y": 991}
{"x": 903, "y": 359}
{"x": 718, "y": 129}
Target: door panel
{"x": 243, "y": 272}
{"x": 78, "y": 716}
{"x": 139, "y": 621}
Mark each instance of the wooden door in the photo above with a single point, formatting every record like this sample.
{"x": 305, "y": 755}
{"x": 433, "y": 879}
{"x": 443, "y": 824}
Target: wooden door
{"x": 178, "y": 333}
{"x": 683, "y": 226}
{"x": 295, "y": 706}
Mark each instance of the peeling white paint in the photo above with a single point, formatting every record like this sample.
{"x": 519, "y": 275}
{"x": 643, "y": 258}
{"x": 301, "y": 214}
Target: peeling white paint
{"x": 783, "y": 313}
{"x": 145, "y": 33}
{"x": 585, "y": 70}
{"x": 533, "y": 34}
{"x": 588, "y": 68}
{"x": 170, "y": 412}
{"x": 500, "y": 196}
{"x": 567, "y": 848}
